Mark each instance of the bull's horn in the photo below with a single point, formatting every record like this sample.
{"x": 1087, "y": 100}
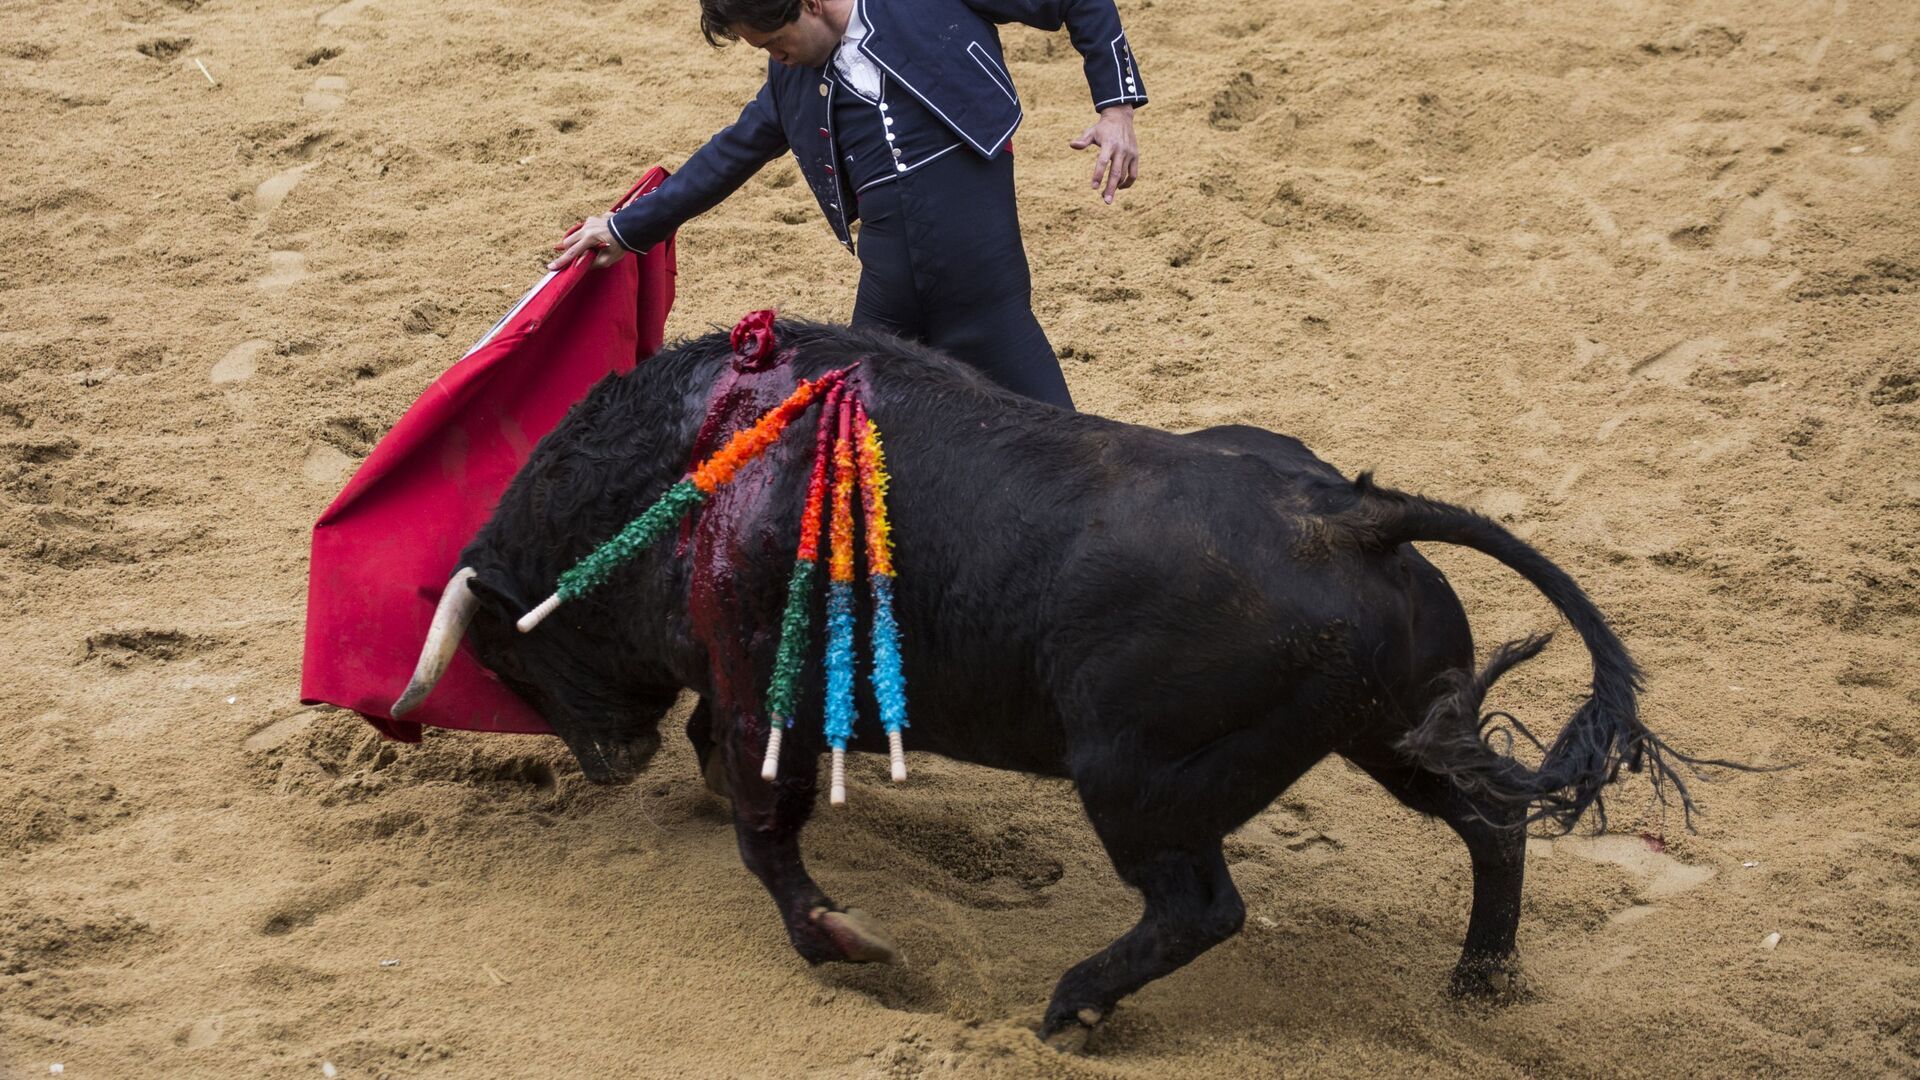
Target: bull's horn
{"x": 450, "y": 619}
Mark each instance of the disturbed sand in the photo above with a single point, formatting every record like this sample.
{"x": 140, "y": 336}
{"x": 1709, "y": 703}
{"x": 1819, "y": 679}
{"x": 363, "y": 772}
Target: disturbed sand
{"x": 1640, "y": 279}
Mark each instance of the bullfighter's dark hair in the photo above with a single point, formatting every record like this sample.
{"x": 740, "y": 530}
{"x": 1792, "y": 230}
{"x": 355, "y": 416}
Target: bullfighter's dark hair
{"x": 718, "y": 17}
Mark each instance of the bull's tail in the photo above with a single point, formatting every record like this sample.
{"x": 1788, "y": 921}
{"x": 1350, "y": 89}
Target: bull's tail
{"x": 1605, "y": 732}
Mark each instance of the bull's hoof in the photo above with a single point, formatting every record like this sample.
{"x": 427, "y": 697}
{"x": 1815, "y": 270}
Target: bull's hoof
{"x": 855, "y": 935}
{"x": 1491, "y": 980}
{"x": 1069, "y": 1034}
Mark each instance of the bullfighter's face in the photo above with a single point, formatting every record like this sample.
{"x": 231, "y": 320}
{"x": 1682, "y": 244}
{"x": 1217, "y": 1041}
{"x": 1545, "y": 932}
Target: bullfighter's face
{"x": 808, "y": 41}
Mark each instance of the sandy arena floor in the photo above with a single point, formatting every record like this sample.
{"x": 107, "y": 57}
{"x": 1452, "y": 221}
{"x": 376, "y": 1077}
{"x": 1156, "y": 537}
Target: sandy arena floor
{"x": 1641, "y": 279}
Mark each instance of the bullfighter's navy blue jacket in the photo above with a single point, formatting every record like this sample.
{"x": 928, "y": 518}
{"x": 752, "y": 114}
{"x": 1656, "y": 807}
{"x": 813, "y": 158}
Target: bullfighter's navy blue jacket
{"x": 946, "y": 53}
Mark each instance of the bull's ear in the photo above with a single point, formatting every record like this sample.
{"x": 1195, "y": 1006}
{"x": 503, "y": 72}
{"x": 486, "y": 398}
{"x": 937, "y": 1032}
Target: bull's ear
{"x": 499, "y": 593}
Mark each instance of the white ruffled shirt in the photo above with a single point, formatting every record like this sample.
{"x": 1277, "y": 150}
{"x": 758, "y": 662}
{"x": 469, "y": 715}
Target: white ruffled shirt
{"x": 861, "y": 73}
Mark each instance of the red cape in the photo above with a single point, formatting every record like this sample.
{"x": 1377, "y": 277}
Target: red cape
{"x": 384, "y": 550}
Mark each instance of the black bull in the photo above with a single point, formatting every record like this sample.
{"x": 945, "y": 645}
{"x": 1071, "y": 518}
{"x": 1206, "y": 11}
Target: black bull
{"x": 1180, "y": 624}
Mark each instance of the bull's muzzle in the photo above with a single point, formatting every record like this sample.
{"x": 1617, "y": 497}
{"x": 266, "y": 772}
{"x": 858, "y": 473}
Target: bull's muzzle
{"x": 450, "y": 619}
{"x": 613, "y": 759}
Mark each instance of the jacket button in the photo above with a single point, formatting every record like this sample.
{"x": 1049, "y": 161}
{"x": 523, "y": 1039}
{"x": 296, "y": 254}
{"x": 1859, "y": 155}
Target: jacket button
{"x": 825, "y": 134}
{"x": 823, "y": 89}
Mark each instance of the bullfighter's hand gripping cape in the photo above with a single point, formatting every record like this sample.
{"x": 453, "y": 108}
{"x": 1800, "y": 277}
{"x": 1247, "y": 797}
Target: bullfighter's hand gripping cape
{"x": 383, "y": 551}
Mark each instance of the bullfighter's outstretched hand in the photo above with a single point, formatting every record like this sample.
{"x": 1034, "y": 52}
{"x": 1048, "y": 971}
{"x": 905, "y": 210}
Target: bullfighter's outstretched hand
{"x": 1119, "y": 162}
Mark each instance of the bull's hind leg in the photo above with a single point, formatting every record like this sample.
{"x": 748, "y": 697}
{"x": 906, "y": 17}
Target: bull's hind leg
{"x": 1162, "y": 818}
{"x": 1170, "y": 851}
{"x": 1191, "y": 906}
{"x": 1497, "y": 846}
{"x": 767, "y": 819}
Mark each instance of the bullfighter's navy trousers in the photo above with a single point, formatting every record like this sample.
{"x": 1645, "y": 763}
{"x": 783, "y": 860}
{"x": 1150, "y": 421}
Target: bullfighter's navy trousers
{"x": 941, "y": 262}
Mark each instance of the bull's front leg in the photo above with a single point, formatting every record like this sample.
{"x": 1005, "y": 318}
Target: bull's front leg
{"x": 767, "y": 819}
{"x": 713, "y": 765}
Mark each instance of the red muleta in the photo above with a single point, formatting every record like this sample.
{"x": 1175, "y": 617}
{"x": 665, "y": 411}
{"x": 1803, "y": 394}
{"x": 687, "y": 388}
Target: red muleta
{"x": 384, "y": 550}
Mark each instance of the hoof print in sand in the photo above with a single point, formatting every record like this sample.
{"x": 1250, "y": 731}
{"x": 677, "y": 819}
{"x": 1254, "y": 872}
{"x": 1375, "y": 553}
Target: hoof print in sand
{"x": 329, "y": 92}
{"x": 1661, "y": 875}
{"x": 983, "y": 870}
{"x": 164, "y": 48}
{"x": 354, "y": 436}
{"x": 276, "y": 732}
{"x": 325, "y": 464}
{"x": 1696, "y": 39}
{"x": 1656, "y": 875}
{"x": 240, "y": 362}
{"x": 128, "y": 648}
{"x": 45, "y": 813}
{"x": 1674, "y": 363}
{"x": 332, "y": 754}
{"x": 306, "y": 906}
{"x": 1895, "y": 388}
{"x": 1879, "y": 276}
{"x": 342, "y": 14}
{"x": 45, "y": 450}
{"x": 1238, "y": 103}
{"x": 71, "y": 935}
{"x": 285, "y": 269}
{"x": 1278, "y": 837}
{"x": 427, "y": 317}
{"x": 274, "y": 190}
{"x": 67, "y": 540}
{"x": 201, "y": 1033}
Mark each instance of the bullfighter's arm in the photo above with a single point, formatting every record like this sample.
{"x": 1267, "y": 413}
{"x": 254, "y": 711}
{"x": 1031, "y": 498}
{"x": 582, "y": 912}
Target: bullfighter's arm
{"x": 1094, "y": 26}
{"x": 715, "y": 171}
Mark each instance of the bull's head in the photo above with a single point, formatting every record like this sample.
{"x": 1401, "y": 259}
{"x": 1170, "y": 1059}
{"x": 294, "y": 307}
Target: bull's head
{"x": 612, "y": 730}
